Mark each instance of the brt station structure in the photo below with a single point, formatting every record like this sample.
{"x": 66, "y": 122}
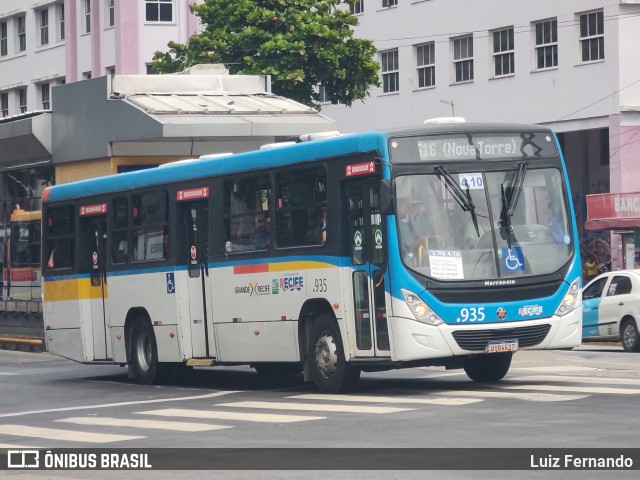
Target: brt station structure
{"x": 120, "y": 123}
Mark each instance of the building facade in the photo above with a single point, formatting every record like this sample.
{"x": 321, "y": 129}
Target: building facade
{"x": 77, "y": 98}
{"x": 573, "y": 65}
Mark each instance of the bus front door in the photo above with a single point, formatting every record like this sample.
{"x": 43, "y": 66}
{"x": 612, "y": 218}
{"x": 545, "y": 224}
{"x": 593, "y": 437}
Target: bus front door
{"x": 92, "y": 261}
{"x": 194, "y": 250}
{"x": 367, "y": 320}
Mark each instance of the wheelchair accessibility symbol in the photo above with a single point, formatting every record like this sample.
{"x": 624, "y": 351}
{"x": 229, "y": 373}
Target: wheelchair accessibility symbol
{"x": 513, "y": 259}
{"x": 171, "y": 284}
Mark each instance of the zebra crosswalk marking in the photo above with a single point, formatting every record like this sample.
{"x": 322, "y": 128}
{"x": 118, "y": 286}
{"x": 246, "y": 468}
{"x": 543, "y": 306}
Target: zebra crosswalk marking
{"x": 531, "y": 397}
{"x": 579, "y": 379}
{"x": 228, "y": 415}
{"x": 153, "y": 424}
{"x": 61, "y": 434}
{"x": 571, "y": 388}
{"x": 316, "y": 407}
{"x": 377, "y": 399}
{"x": 17, "y": 447}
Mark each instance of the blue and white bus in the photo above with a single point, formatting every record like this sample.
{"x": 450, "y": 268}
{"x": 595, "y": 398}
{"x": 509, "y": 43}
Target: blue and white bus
{"x": 448, "y": 244}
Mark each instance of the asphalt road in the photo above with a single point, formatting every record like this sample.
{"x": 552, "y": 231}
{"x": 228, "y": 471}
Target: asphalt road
{"x": 583, "y": 398}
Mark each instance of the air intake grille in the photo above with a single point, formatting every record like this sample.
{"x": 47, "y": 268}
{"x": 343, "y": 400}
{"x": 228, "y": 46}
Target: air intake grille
{"x": 476, "y": 340}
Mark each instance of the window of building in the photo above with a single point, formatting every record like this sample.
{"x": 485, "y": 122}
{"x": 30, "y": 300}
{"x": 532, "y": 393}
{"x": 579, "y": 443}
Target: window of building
{"x": 4, "y": 104}
{"x": 21, "y": 29}
{"x": 159, "y": 10}
{"x": 110, "y": 70}
{"x": 546, "y": 42}
{"x": 592, "y": 36}
{"x": 389, "y": 3}
{"x": 22, "y": 100}
{"x": 111, "y": 13}
{"x": 150, "y": 233}
{"x": 322, "y": 94}
{"x": 4, "y": 44}
{"x": 357, "y": 7}
{"x": 60, "y": 10}
{"x": 604, "y": 147}
{"x": 503, "y": 52}
{"x": 301, "y": 208}
{"x": 247, "y": 222}
{"x": 43, "y": 18}
{"x": 390, "y": 71}
{"x": 86, "y": 75}
{"x": 462, "y": 58}
{"x": 426, "y": 65}
{"x": 150, "y": 70}
{"x": 86, "y": 10}
{"x": 45, "y": 93}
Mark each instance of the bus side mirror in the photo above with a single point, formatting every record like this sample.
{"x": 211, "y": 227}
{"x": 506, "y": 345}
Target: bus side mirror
{"x": 386, "y": 197}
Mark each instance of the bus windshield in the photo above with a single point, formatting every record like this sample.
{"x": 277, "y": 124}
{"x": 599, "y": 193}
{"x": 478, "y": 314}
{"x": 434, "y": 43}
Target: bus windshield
{"x": 483, "y": 225}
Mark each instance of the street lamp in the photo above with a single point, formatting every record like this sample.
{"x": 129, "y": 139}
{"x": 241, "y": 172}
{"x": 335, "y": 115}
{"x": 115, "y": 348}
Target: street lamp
{"x": 453, "y": 113}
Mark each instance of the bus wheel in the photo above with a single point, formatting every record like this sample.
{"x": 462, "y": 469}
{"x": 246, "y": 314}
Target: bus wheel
{"x": 278, "y": 368}
{"x": 144, "y": 355}
{"x": 629, "y": 336}
{"x": 329, "y": 369}
{"x": 490, "y": 367}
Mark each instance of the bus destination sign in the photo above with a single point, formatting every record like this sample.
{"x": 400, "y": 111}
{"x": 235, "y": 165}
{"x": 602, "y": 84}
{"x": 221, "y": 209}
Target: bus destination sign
{"x": 192, "y": 194}
{"x": 473, "y": 146}
{"x": 98, "y": 209}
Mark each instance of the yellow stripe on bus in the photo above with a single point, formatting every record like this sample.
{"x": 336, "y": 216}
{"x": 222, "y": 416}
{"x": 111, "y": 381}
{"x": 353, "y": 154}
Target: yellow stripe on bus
{"x": 302, "y": 265}
{"x": 76, "y": 289}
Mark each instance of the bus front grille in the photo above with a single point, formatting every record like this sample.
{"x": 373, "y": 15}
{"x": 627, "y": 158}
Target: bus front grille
{"x": 476, "y": 340}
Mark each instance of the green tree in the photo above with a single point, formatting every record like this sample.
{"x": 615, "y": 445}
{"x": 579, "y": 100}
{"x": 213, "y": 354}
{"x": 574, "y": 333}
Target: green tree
{"x": 300, "y": 43}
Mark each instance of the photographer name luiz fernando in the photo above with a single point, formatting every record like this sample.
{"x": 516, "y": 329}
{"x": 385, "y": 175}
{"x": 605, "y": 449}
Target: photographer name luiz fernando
{"x": 573, "y": 462}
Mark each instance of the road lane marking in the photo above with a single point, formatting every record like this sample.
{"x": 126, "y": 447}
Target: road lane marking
{"x": 65, "y": 435}
{"x": 531, "y": 397}
{"x": 571, "y": 388}
{"x": 154, "y": 424}
{"x": 578, "y": 379}
{"x": 17, "y": 447}
{"x": 220, "y": 415}
{"x": 118, "y": 404}
{"x": 314, "y": 407}
{"x": 7, "y": 373}
{"x": 555, "y": 369}
{"x": 376, "y": 399}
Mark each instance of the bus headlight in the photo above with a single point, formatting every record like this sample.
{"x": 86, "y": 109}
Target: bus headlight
{"x": 420, "y": 309}
{"x": 570, "y": 300}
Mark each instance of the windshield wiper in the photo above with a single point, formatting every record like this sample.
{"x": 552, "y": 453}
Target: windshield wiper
{"x": 461, "y": 197}
{"x": 510, "y": 201}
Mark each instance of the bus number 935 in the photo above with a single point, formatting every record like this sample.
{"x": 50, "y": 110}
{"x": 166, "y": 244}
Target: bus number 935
{"x": 471, "y": 315}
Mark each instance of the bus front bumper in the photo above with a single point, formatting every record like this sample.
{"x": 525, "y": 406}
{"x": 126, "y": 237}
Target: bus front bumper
{"x": 413, "y": 340}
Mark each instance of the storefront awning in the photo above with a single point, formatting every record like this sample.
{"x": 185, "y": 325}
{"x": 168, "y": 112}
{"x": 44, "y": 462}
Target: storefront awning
{"x": 613, "y": 211}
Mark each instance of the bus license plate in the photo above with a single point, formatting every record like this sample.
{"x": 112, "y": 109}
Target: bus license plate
{"x": 504, "y": 346}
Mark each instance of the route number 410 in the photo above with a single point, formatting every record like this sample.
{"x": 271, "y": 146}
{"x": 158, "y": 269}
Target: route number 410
{"x": 472, "y": 314}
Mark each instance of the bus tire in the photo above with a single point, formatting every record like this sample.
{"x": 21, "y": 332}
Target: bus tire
{"x": 329, "y": 369}
{"x": 144, "y": 353}
{"x": 489, "y": 367}
{"x": 278, "y": 368}
{"x": 629, "y": 336}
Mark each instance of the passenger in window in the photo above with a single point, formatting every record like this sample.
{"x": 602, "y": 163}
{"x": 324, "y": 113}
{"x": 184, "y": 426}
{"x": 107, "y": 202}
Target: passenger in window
{"x": 52, "y": 257}
{"x": 263, "y": 232}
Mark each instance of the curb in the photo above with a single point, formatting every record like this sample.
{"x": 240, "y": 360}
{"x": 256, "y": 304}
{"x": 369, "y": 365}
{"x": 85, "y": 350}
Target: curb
{"x": 10, "y": 342}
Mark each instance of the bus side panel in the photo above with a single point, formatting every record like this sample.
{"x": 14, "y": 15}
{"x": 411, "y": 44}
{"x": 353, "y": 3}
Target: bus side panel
{"x": 148, "y": 292}
{"x": 66, "y": 343}
{"x": 256, "y": 307}
{"x": 258, "y": 342}
{"x": 67, "y": 319}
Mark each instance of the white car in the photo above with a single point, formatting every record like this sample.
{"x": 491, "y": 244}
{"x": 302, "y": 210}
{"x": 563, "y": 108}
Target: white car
{"x": 611, "y": 304}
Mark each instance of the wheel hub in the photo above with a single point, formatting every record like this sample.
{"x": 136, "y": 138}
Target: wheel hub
{"x": 326, "y": 355}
